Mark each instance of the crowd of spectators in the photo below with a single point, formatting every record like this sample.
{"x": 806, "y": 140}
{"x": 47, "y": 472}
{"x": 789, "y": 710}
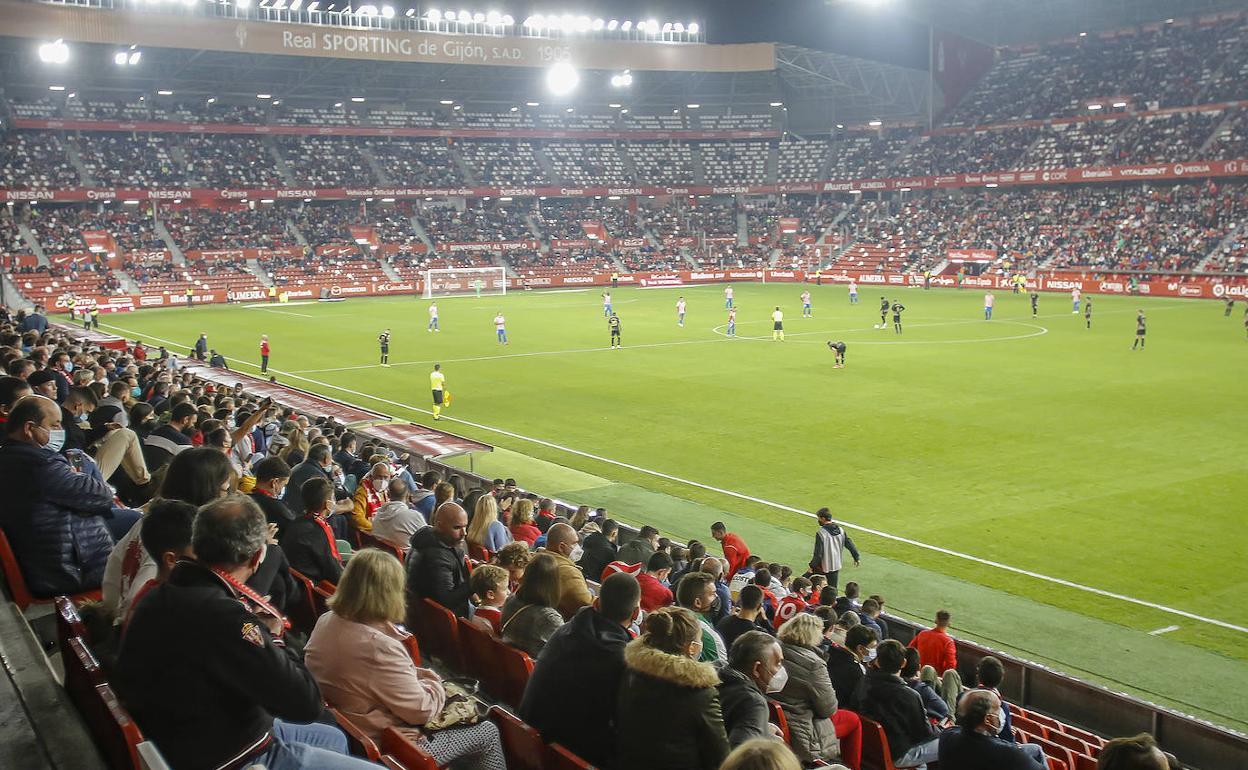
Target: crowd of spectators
{"x": 476, "y": 223}
{"x": 34, "y": 160}
{"x": 801, "y": 159}
{"x": 133, "y": 161}
{"x": 416, "y": 163}
{"x": 219, "y": 229}
{"x": 502, "y": 162}
{"x": 734, "y": 162}
{"x": 529, "y": 263}
{"x": 214, "y": 160}
{"x": 662, "y": 163}
{"x": 326, "y": 161}
{"x": 328, "y": 223}
{"x": 587, "y": 163}
{"x": 59, "y": 228}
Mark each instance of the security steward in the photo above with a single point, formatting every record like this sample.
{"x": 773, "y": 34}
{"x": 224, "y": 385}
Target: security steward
{"x": 202, "y": 666}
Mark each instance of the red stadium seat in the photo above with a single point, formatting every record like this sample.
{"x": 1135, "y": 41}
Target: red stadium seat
{"x": 479, "y": 553}
{"x": 439, "y": 633}
{"x": 1070, "y": 742}
{"x": 1084, "y": 762}
{"x": 68, "y": 623}
{"x": 1094, "y": 741}
{"x": 361, "y": 744}
{"x": 390, "y": 763}
{"x": 320, "y": 596}
{"x": 116, "y": 734}
{"x": 875, "y": 752}
{"x": 559, "y": 758}
{"x": 481, "y": 657}
{"x": 1057, "y": 764}
{"x": 523, "y": 745}
{"x": 368, "y": 540}
{"x": 413, "y": 648}
{"x": 303, "y": 614}
{"x": 777, "y": 718}
{"x": 17, "y": 581}
{"x": 1055, "y": 751}
{"x": 1028, "y": 726}
{"x": 516, "y": 666}
{"x": 1050, "y": 724}
{"x": 406, "y": 752}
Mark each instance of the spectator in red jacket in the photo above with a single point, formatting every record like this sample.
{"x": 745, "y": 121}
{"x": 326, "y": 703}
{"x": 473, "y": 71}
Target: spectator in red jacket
{"x": 654, "y": 593}
{"x": 735, "y": 549}
{"x": 935, "y": 646}
{"x": 522, "y": 523}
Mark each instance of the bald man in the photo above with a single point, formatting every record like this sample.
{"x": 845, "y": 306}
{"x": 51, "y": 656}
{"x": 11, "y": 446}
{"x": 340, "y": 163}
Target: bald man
{"x": 974, "y": 745}
{"x": 563, "y": 543}
{"x": 436, "y": 564}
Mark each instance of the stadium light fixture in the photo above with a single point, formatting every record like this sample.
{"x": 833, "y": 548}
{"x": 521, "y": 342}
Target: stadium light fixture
{"x": 612, "y": 25}
{"x": 777, "y": 104}
{"x": 494, "y": 17}
{"x": 433, "y": 16}
{"x": 667, "y": 27}
{"x": 447, "y": 102}
{"x": 338, "y": 105}
{"x": 276, "y": 102}
{"x": 583, "y": 24}
{"x": 626, "y": 26}
{"x": 478, "y": 18}
{"x": 212, "y": 100}
{"x": 458, "y": 107}
{"x": 387, "y": 12}
{"x": 314, "y": 6}
{"x": 840, "y": 125}
{"x": 120, "y": 58}
{"x": 508, "y": 19}
{"x": 598, "y": 25}
{"x": 1095, "y": 106}
{"x": 678, "y": 28}
{"x": 875, "y": 123}
{"x": 164, "y": 92}
{"x": 55, "y": 52}
{"x": 991, "y": 185}
{"x": 449, "y": 16}
{"x": 465, "y": 17}
{"x": 1120, "y": 105}
{"x": 562, "y": 78}
{"x": 1083, "y": 34}
{"x": 903, "y": 189}
{"x": 693, "y": 106}
{"x": 515, "y": 109}
{"x": 532, "y": 104}
{"x": 56, "y": 88}
{"x": 357, "y": 99}
{"x": 243, "y": 4}
{"x": 295, "y": 5}
{"x": 615, "y": 105}
{"x": 264, "y": 96}
{"x": 71, "y": 95}
{"x": 366, "y": 10}
{"x": 624, "y": 111}
{"x": 694, "y": 28}
{"x": 652, "y": 26}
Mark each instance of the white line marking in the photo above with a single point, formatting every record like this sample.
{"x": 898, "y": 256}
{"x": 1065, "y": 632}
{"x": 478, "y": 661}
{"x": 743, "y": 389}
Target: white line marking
{"x": 1160, "y": 631}
{"x": 284, "y": 312}
{"x": 269, "y": 305}
{"x": 748, "y": 498}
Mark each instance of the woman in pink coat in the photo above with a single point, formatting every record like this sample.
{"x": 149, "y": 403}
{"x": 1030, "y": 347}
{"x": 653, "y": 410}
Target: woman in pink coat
{"x": 357, "y": 655}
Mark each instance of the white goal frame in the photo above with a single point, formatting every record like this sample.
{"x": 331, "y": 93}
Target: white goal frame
{"x": 463, "y": 281}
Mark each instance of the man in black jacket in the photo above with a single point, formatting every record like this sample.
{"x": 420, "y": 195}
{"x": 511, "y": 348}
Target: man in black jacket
{"x": 885, "y": 698}
{"x": 753, "y": 660}
{"x": 641, "y": 548}
{"x": 600, "y": 550}
{"x": 162, "y": 444}
{"x": 235, "y": 680}
{"x": 847, "y": 664}
{"x": 272, "y": 475}
{"x": 436, "y": 564}
{"x": 974, "y": 745}
{"x": 571, "y": 695}
{"x": 308, "y": 542}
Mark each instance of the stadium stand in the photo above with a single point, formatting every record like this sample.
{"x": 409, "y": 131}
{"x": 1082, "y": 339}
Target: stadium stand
{"x": 735, "y": 162}
{"x": 502, "y": 163}
{"x": 662, "y": 162}
{"x": 135, "y": 160}
{"x": 326, "y": 161}
{"x": 234, "y": 161}
{"x": 416, "y": 163}
{"x": 587, "y": 163}
{"x": 221, "y": 229}
{"x": 801, "y": 159}
{"x": 33, "y": 161}
{"x": 475, "y": 224}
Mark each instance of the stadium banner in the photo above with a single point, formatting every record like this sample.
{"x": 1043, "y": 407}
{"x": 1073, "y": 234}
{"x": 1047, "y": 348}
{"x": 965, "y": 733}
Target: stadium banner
{"x": 392, "y": 249}
{"x": 74, "y": 258}
{"x": 1062, "y": 176}
{"x": 487, "y": 245}
{"x": 364, "y": 236}
{"x": 252, "y": 129}
{"x": 971, "y": 255}
{"x": 337, "y": 251}
{"x": 217, "y": 255}
{"x": 116, "y": 27}
{"x": 149, "y": 256}
{"x": 566, "y": 244}
{"x": 13, "y": 261}
{"x": 630, "y": 243}
{"x": 789, "y": 225}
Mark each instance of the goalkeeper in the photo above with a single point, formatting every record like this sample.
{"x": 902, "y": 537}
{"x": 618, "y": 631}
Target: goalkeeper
{"x": 441, "y": 397}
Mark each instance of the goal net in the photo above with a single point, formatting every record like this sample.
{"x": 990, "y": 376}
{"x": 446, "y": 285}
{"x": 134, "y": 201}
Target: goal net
{"x": 465, "y": 282}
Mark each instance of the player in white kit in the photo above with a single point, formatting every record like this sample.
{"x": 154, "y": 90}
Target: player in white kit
{"x": 1075, "y": 296}
{"x": 777, "y": 325}
{"x": 433, "y": 319}
{"x": 728, "y": 298}
{"x": 853, "y": 293}
{"x": 806, "y": 312}
{"x": 680, "y": 311}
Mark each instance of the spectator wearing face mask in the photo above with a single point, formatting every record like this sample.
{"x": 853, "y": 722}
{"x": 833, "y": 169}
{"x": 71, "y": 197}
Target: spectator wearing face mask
{"x": 847, "y": 664}
{"x": 53, "y": 516}
{"x": 755, "y": 668}
{"x": 369, "y": 496}
{"x": 272, "y": 475}
{"x": 805, "y": 692}
{"x": 563, "y": 544}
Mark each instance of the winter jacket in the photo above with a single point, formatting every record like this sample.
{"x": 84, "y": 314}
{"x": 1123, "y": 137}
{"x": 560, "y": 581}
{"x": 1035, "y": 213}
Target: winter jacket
{"x": 365, "y": 671}
{"x": 439, "y": 572}
{"x": 528, "y": 626}
{"x": 668, "y": 715}
{"x": 571, "y": 695}
{"x": 934, "y": 705}
{"x": 308, "y": 550}
{"x": 845, "y": 671}
{"x": 599, "y": 552}
{"x": 653, "y": 593}
{"x": 573, "y": 590}
{"x": 396, "y": 522}
{"x": 744, "y": 707}
{"x": 971, "y": 750}
{"x": 809, "y": 702}
{"x": 54, "y": 520}
{"x": 899, "y": 710}
{"x": 635, "y": 551}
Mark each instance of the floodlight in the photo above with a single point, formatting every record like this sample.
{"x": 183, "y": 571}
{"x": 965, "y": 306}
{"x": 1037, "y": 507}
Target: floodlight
{"x": 567, "y": 22}
{"x": 777, "y": 104}
{"x": 693, "y": 106}
{"x": 678, "y": 28}
{"x": 478, "y": 18}
{"x": 450, "y": 16}
{"x": 652, "y": 27}
{"x": 570, "y": 110}
{"x": 119, "y": 58}
{"x": 70, "y": 95}
{"x": 1095, "y": 106}
{"x": 276, "y": 102}
{"x": 840, "y": 125}
{"x": 55, "y": 52}
{"x": 583, "y": 23}
{"x": 134, "y": 58}
{"x": 875, "y": 123}
{"x": 357, "y": 99}
{"x": 212, "y": 100}
{"x": 532, "y": 104}
{"x": 494, "y": 17}
{"x": 465, "y": 17}
{"x": 515, "y": 109}
{"x": 614, "y": 106}
{"x": 243, "y": 4}
{"x": 387, "y": 12}
{"x": 433, "y": 16}
{"x": 458, "y": 107}
{"x": 1120, "y": 104}
{"x": 598, "y": 25}
{"x": 667, "y": 27}
{"x": 338, "y": 105}
{"x": 56, "y": 88}
{"x": 562, "y": 79}
{"x": 624, "y": 111}
{"x": 693, "y": 28}
{"x": 296, "y": 5}
{"x": 508, "y": 19}
{"x": 165, "y": 92}
{"x": 991, "y": 184}
{"x": 264, "y": 96}
{"x": 626, "y": 26}
{"x": 447, "y": 102}
{"x": 314, "y": 6}
{"x": 366, "y": 10}
{"x": 611, "y": 25}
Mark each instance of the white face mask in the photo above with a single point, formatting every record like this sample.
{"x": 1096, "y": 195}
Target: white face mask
{"x": 778, "y": 681}
{"x": 869, "y": 655}
{"x": 56, "y": 439}
{"x": 577, "y": 553}
{"x": 381, "y": 484}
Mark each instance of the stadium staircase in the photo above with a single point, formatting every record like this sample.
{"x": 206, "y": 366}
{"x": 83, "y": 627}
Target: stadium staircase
{"x": 279, "y": 162}
{"x": 548, "y": 168}
{"x": 1228, "y": 117}
{"x": 772, "y": 173}
{"x": 894, "y": 161}
{"x": 630, "y": 166}
{"x": 421, "y": 233}
{"x": 465, "y": 170}
{"x": 71, "y": 153}
{"x": 378, "y": 169}
{"x": 253, "y": 267}
{"x": 128, "y": 284}
{"x": 12, "y": 297}
{"x": 294, "y": 230}
{"x": 32, "y": 242}
{"x": 499, "y": 260}
{"x": 699, "y": 168}
{"x": 163, "y": 233}
{"x": 536, "y": 230}
{"x": 389, "y": 270}
{"x": 178, "y": 156}
{"x": 743, "y": 228}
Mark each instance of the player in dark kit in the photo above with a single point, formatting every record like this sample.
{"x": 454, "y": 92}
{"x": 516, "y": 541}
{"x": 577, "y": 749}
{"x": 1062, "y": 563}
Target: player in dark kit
{"x": 1139, "y": 331}
{"x": 383, "y": 339}
{"x": 1087, "y": 312}
{"x": 613, "y": 323}
{"x": 1230, "y": 306}
{"x": 883, "y": 312}
{"x": 1035, "y": 304}
{"x": 838, "y": 348}
{"x": 897, "y": 310}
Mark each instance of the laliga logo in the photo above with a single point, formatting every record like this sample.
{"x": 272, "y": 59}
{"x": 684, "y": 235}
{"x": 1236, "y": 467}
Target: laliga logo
{"x": 1178, "y": 169}
{"x": 1219, "y": 290}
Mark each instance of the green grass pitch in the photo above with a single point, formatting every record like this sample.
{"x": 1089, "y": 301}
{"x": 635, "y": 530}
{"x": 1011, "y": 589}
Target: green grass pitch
{"x": 1034, "y": 443}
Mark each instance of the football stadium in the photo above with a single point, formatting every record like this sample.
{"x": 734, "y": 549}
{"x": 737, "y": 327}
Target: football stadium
{"x": 816, "y": 383}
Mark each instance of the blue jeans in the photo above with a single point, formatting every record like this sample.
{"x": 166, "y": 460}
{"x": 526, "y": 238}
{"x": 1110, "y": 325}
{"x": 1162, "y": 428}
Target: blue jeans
{"x": 120, "y": 520}
{"x": 919, "y": 755}
{"x": 318, "y": 746}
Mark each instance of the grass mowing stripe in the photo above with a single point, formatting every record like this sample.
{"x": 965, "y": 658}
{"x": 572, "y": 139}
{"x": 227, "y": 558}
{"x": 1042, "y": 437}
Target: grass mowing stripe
{"x": 757, "y": 500}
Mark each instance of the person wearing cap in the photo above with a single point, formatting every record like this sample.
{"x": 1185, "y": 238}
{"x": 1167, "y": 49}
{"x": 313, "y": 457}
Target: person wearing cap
{"x": 43, "y": 382}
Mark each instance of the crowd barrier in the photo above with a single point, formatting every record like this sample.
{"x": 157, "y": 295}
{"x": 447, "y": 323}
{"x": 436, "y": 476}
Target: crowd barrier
{"x": 1087, "y": 281}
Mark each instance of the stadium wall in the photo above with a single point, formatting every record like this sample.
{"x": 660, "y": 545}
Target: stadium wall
{"x": 1088, "y": 282}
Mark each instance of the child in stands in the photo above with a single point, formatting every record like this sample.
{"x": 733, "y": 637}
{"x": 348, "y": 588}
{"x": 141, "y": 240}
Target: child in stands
{"x": 490, "y": 590}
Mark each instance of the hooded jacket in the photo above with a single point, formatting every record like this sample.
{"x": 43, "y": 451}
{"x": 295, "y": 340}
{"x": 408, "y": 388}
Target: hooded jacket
{"x": 744, "y": 707}
{"x": 668, "y": 715}
{"x": 808, "y": 701}
{"x": 396, "y": 522}
{"x": 599, "y": 552}
{"x": 571, "y": 695}
{"x": 54, "y": 520}
{"x": 899, "y": 710}
{"x": 439, "y": 572}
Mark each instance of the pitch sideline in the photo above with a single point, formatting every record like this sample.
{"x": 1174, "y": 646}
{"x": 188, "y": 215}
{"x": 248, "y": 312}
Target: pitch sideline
{"x": 757, "y": 500}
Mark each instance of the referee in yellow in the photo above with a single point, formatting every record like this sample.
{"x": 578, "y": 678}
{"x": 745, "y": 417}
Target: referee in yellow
{"x": 437, "y": 381}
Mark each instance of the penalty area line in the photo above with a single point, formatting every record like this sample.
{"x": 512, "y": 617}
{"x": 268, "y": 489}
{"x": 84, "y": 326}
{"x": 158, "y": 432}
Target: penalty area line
{"x": 757, "y": 500}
